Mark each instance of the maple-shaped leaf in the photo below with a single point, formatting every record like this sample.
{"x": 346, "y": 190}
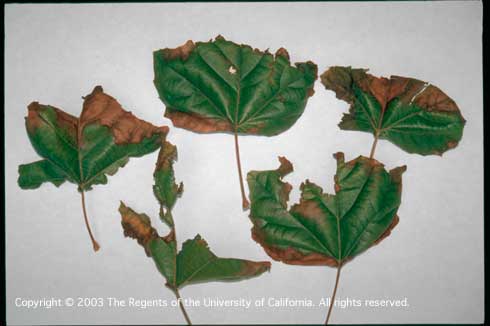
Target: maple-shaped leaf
{"x": 195, "y": 262}
{"x": 325, "y": 229}
{"x": 414, "y": 115}
{"x": 87, "y": 149}
{"x": 221, "y": 86}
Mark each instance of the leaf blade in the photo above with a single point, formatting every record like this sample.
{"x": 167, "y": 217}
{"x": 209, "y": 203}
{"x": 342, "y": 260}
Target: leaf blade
{"x": 414, "y": 115}
{"x": 359, "y": 215}
{"x": 274, "y": 224}
{"x": 220, "y": 86}
{"x": 89, "y": 148}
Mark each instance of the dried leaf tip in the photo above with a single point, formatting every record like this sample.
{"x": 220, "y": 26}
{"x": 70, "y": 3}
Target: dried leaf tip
{"x": 282, "y": 52}
{"x": 200, "y": 240}
{"x": 181, "y": 52}
{"x": 339, "y": 156}
{"x": 286, "y": 166}
{"x": 166, "y": 156}
{"x": 101, "y": 108}
{"x": 396, "y": 173}
{"x": 97, "y": 89}
{"x": 137, "y": 226}
{"x": 339, "y": 80}
{"x": 251, "y": 268}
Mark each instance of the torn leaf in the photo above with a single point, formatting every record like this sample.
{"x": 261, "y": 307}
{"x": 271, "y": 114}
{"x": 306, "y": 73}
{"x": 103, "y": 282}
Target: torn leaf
{"x": 195, "y": 263}
{"x": 165, "y": 188}
{"x": 414, "y": 115}
{"x": 325, "y": 229}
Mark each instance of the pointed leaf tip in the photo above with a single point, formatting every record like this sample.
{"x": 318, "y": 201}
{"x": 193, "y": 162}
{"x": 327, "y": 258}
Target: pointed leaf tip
{"x": 339, "y": 156}
{"x": 282, "y": 52}
{"x": 396, "y": 173}
{"x": 98, "y": 89}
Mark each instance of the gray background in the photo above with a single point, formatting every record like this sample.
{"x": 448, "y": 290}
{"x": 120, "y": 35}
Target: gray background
{"x": 57, "y": 53}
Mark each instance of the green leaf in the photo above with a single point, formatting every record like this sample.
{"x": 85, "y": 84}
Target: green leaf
{"x": 85, "y": 150}
{"x": 221, "y": 86}
{"x": 165, "y": 188}
{"x": 416, "y": 116}
{"x": 324, "y": 229}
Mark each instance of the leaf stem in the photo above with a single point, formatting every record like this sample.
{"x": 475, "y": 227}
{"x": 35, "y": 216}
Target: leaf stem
{"x": 181, "y": 305}
{"x": 245, "y": 203}
{"x": 94, "y": 243}
{"x": 173, "y": 286}
{"x": 373, "y": 147}
{"x": 332, "y": 300}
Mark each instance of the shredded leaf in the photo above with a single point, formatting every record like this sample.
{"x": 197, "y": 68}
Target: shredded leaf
{"x": 195, "y": 263}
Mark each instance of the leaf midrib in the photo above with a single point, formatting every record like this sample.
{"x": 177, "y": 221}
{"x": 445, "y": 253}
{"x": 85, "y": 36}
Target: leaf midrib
{"x": 57, "y": 132}
{"x": 199, "y": 90}
{"x": 339, "y": 233}
{"x": 370, "y": 221}
{"x": 82, "y": 183}
{"x": 393, "y": 126}
{"x": 224, "y": 115}
{"x": 195, "y": 272}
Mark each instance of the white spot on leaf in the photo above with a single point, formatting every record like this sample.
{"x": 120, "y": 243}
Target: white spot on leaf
{"x": 232, "y": 70}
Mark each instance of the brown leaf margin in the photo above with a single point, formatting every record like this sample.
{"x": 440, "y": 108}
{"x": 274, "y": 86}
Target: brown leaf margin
{"x": 199, "y": 123}
{"x": 99, "y": 107}
{"x": 292, "y": 256}
{"x": 408, "y": 90}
